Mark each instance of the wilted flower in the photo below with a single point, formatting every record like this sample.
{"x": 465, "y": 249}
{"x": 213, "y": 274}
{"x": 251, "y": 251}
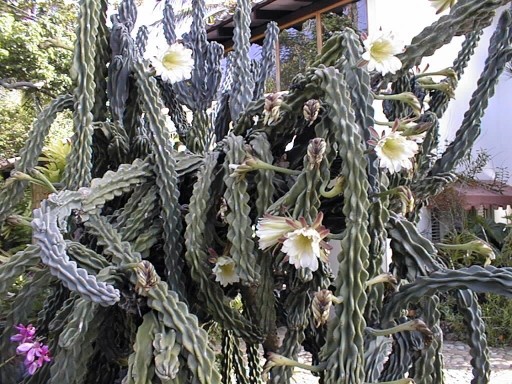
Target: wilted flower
{"x": 395, "y": 151}
{"x": 310, "y": 110}
{"x": 239, "y": 170}
{"x": 380, "y": 53}
{"x": 272, "y": 108}
{"x": 225, "y": 271}
{"x": 316, "y": 151}
{"x": 442, "y": 5}
{"x": 478, "y": 246}
{"x": 406, "y": 197}
{"x": 429, "y": 84}
{"x": 276, "y": 360}
{"x": 36, "y": 354}
{"x": 303, "y": 244}
{"x": 174, "y": 64}
{"x": 25, "y": 335}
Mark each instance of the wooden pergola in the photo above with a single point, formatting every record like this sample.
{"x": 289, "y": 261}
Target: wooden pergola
{"x": 286, "y": 13}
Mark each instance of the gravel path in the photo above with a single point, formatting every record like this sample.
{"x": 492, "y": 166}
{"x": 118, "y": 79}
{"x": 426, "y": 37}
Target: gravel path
{"x": 457, "y": 363}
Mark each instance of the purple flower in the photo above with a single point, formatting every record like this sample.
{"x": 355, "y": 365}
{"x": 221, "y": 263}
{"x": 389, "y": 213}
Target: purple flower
{"x": 36, "y": 354}
{"x": 25, "y": 335}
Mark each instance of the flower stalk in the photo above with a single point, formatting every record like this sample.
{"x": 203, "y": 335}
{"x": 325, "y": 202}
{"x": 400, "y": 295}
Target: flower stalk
{"x": 405, "y": 97}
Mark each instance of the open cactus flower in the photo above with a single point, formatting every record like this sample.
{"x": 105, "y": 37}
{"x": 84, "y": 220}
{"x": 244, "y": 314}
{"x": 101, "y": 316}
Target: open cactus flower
{"x": 187, "y": 184}
{"x": 172, "y": 64}
{"x": 302, "y": 243}
{"x": 394, "y": 150}
{"x": 225, "y": 271}
{"x": 381, "y": 51}
{"x": 442, "y": 5}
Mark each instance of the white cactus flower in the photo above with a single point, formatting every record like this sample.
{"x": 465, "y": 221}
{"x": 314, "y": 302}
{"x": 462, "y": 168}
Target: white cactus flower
{"x": 395, "y": 151}
{"x": 442, "y": 5}
{"x": 225, "y": 271}
{"x": 272, "y": 229}
{"x": 173, "y": 64}
{"x": 380, "y": 53}
{"x": 302, "y": 243}
{"x": 302, "y": 247}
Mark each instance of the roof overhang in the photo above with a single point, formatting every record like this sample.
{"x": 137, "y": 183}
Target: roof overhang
{"x": 286, "y": 13}
{"x": 484, "y": 194}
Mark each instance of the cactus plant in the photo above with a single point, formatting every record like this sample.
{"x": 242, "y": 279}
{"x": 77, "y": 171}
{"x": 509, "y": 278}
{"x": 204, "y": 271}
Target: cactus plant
{"x": 141, "y": 244}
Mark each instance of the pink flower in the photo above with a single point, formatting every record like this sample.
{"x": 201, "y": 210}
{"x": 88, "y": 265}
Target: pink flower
{"x": 26, "y": 334}
{"x": 36, "y": 354}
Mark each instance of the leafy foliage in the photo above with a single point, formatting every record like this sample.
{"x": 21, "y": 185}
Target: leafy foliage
{"x": 33, "y": 65}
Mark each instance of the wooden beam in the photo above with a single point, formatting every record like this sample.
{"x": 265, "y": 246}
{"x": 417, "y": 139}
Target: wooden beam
{"x": 318, "y": 22}
{"x": 293, "y": 18}
{"x": 225, "y": 32}
{"x": 262, "y": 14}
{"x": 278, "y": 67}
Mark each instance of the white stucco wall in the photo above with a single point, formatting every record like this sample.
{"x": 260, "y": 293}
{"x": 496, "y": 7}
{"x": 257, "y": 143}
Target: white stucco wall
{"x": 406, "y": 18}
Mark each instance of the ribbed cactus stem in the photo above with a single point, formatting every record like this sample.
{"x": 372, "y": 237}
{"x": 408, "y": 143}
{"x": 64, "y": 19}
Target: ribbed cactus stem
{"x": 345, "y": 360}
{"x": 166, "y": 178}
{"x": 499, "y": 54}
{"x": 241, "y": 93}
{"x": 240, "y": 226}
{"x": 79, "y": 165}
{"x": 461, "y": 20}
{"x": 268, "y": 55}
{"x": 169, "y": 23}
{"x": 439, "y": 101}
{"x": 11, "y": 194}
{"x": 196, "y": 256}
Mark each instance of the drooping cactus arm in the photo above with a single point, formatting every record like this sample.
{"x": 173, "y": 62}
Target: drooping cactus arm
{"x": 193, "y": 339}
{"x": 166, "y": 178}
{"x": 11, "y": 194}
{"x": 465, "y": 16}
{"x": 476, "y": 278}
{"x": 499, "y": 54}
{"x": 196, "y": 256}
{"x": 419, "y": 252}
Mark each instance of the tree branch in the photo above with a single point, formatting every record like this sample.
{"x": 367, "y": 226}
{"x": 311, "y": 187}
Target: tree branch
{"x": 55, "y": 43}
{"x": 26, "y": 85}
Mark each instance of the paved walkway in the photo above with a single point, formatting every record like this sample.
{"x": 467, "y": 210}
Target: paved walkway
{"x": 457, "y": 365}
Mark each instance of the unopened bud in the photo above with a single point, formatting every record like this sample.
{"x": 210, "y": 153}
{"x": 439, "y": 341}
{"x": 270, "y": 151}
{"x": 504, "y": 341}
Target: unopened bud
{"x": 272, "y": 108}
{"x": 147, "y": 277}
{"x": 316, "y": 151}
{"x": 310, "y": 110}
{"x": 321, "y": 306}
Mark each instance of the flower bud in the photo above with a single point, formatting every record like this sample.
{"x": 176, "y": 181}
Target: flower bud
{"x": 147, "y": 277}
{"x": 310, "y": 110}
{"x": 321, "y": 306}
{"x": 272, "y": 108}
{"x": 316, "y": 151}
